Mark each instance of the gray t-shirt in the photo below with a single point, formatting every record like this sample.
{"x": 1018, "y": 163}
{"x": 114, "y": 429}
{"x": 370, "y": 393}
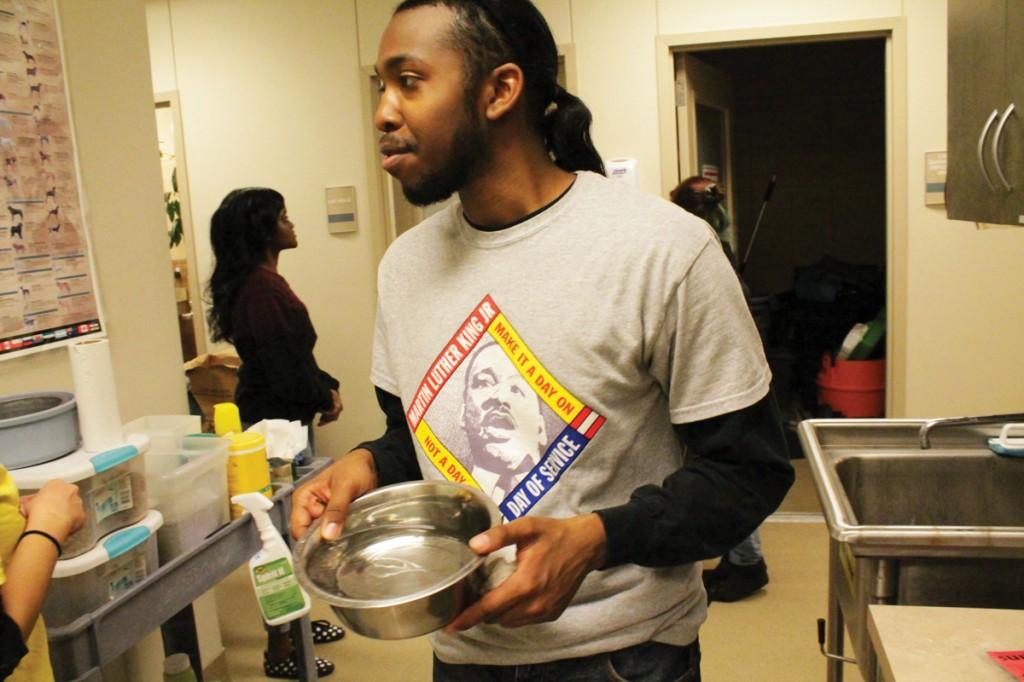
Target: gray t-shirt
{"x": 546, "y": 363}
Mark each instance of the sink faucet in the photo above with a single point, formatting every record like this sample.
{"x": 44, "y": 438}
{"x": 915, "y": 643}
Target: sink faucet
{"x": 933, "y": 424}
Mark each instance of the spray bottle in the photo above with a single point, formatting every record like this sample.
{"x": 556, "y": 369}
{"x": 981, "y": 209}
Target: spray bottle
{"x": 279, "y": 594}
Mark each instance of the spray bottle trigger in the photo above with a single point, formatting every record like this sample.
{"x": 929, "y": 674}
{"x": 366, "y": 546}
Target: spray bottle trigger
{"x": 252, "y": 502}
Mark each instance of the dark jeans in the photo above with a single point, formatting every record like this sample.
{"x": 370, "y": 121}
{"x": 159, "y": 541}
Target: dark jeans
{"x": 649, "y": 662}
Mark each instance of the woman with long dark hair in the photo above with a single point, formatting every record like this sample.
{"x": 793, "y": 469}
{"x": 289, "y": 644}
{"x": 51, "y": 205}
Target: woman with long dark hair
{"x": 254, "y": 308}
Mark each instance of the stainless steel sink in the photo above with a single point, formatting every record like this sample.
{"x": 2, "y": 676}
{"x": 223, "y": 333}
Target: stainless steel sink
{"x": 938, "y": 526}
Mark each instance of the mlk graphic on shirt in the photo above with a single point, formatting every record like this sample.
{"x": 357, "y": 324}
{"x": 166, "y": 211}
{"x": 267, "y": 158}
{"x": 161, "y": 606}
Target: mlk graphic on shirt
{"x": 503, "y": 421}
{"x": 488, "y": 413}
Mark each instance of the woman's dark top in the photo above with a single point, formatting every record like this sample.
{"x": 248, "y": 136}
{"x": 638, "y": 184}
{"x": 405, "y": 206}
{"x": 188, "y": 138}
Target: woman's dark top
{"x": 274, "y": 337}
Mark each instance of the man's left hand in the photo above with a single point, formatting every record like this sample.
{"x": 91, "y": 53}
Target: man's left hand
{"x": 553, "y": 557}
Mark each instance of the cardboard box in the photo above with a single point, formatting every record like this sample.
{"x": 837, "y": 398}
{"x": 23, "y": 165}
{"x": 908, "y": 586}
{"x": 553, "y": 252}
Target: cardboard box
{"x": 212, "y": 378}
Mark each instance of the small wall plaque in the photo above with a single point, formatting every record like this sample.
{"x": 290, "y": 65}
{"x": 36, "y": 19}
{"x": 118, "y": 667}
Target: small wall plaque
{"x": 341, "y": 210}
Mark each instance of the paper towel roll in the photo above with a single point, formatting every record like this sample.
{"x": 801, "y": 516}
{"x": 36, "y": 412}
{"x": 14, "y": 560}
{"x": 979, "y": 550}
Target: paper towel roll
{"x": 99, "y": 417}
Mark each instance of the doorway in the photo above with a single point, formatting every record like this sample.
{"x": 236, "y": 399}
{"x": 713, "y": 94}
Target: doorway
{"x": 181, "y": 244}
{"x": 796, "y": 134}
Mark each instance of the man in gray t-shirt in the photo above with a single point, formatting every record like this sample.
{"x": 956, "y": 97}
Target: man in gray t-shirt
{"x": 625, "y": 325}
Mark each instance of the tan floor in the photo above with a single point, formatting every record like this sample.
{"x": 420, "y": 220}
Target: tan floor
{"x": 770, "y": 637}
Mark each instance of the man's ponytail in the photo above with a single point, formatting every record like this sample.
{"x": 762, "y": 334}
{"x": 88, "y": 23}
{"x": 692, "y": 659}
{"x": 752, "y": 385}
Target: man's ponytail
{"x": 567, "y": 133}
{"x": 492, "y": 32}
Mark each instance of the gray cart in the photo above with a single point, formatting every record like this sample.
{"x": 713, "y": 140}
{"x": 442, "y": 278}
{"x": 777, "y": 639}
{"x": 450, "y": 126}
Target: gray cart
{"x": 77, "y": 650}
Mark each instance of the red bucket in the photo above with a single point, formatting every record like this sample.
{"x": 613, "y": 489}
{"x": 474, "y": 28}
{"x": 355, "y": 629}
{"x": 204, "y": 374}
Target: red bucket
{"x": 855, "y": 388}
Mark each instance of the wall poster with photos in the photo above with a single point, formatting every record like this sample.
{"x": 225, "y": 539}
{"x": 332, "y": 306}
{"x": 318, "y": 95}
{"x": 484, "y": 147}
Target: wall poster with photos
{"x": 47, "y": 287}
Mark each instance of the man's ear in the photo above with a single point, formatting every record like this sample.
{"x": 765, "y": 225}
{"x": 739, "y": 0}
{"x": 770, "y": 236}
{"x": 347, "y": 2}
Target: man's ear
{"x": 503, "y": 90}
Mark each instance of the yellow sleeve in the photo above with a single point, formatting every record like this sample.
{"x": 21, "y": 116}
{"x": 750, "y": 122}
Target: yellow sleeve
{"x": 11, "y": 520}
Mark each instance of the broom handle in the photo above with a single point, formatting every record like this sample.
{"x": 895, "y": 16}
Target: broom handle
{"x": 757, "y": 225}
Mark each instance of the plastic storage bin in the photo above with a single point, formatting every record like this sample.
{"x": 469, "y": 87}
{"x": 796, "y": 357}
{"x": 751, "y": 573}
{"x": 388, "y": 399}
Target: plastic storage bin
{"x": 190, "y": 488}
{"x": 164, "y": 431}
{"x": 112, "y": 485}
{"x": 117, "y": 562}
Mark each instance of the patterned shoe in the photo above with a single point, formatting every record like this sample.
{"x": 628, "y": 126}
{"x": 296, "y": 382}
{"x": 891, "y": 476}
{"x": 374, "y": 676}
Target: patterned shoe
{"x": 324, "y": 632}
{"x": 288, "y": 669}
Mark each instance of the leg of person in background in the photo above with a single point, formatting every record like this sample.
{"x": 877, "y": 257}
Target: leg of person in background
{"x": 739, "y": 574}
{"x": 279, "y": 658}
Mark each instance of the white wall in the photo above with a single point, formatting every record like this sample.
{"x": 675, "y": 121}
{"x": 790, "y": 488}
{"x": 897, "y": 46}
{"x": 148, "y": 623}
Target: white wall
{"x": 111, "y": 100}
{"x": 277, "y": 101}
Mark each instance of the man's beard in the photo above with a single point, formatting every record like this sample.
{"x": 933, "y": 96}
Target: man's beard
{"x": 468, "y": 149}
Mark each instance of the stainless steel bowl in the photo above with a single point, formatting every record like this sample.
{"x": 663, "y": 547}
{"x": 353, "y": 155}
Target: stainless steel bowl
{"x": 402, "y": 566}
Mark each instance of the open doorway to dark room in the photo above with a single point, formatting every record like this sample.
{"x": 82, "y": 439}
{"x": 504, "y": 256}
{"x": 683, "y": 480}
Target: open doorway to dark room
{"x": 813, "y": 115}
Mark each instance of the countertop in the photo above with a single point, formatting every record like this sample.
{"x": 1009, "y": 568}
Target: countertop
{"x": 935, "y": 643}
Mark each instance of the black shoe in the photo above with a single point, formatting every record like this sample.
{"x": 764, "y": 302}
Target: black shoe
{"x": 729, "y": 582}
{"x": 710, "y": 576}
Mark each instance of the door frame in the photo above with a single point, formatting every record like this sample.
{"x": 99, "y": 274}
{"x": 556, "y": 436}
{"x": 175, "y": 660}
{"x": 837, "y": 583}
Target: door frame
{"x": 893, "y": 30}
{"x": 711, "y": 87}
{"x": 169, "y": 99}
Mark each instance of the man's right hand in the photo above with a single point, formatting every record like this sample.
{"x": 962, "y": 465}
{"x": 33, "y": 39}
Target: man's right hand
{"x": 331, "y": 492}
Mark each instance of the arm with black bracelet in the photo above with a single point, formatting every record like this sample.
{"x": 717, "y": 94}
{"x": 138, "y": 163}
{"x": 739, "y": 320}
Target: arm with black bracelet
{"x": 51, "y": 515}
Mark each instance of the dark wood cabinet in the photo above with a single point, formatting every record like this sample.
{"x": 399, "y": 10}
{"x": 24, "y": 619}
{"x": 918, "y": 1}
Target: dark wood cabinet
{"x": 985, "y": 176}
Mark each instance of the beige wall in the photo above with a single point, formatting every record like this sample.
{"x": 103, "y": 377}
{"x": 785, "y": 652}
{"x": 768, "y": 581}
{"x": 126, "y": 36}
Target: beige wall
{"x": 278, "y": 100}
{"x": 615, "y": 68}
{"x": 966, "y": 307}
{"x": 111, "y": 101}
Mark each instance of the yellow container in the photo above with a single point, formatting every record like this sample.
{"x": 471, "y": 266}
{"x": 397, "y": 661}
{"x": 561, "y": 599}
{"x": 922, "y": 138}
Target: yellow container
{"x": 248, "y": 470}
{"x": 226, "y": 419}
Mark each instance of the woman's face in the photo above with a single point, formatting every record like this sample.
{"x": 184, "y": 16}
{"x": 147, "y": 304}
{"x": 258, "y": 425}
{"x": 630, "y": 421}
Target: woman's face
{"x": 284, "y": 237}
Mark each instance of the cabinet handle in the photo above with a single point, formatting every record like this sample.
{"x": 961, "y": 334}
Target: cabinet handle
{"x": 981, "y": 148}
{"x": 996, "y": 139}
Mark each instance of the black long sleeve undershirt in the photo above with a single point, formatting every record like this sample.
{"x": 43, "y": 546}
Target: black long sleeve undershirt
{"x": 393, "y": 453}
{"x": 736, "y": 473}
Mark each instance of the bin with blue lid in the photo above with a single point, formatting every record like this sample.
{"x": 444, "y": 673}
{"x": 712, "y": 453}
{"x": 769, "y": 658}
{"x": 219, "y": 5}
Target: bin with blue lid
{"x": 112, "y": 485}
{"x": 116, "y": 563}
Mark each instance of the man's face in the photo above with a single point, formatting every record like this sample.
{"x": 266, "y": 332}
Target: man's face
{"x": 502, "y": 415}
{"x": 433, "y": 138}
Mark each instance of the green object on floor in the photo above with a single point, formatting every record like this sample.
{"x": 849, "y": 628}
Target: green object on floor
{"x": 872, "y": 337}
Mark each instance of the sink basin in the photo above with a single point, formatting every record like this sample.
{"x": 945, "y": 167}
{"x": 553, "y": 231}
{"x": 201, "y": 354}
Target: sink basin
{"x": 880, "y": 492}
{"x": 954, "y": 489}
